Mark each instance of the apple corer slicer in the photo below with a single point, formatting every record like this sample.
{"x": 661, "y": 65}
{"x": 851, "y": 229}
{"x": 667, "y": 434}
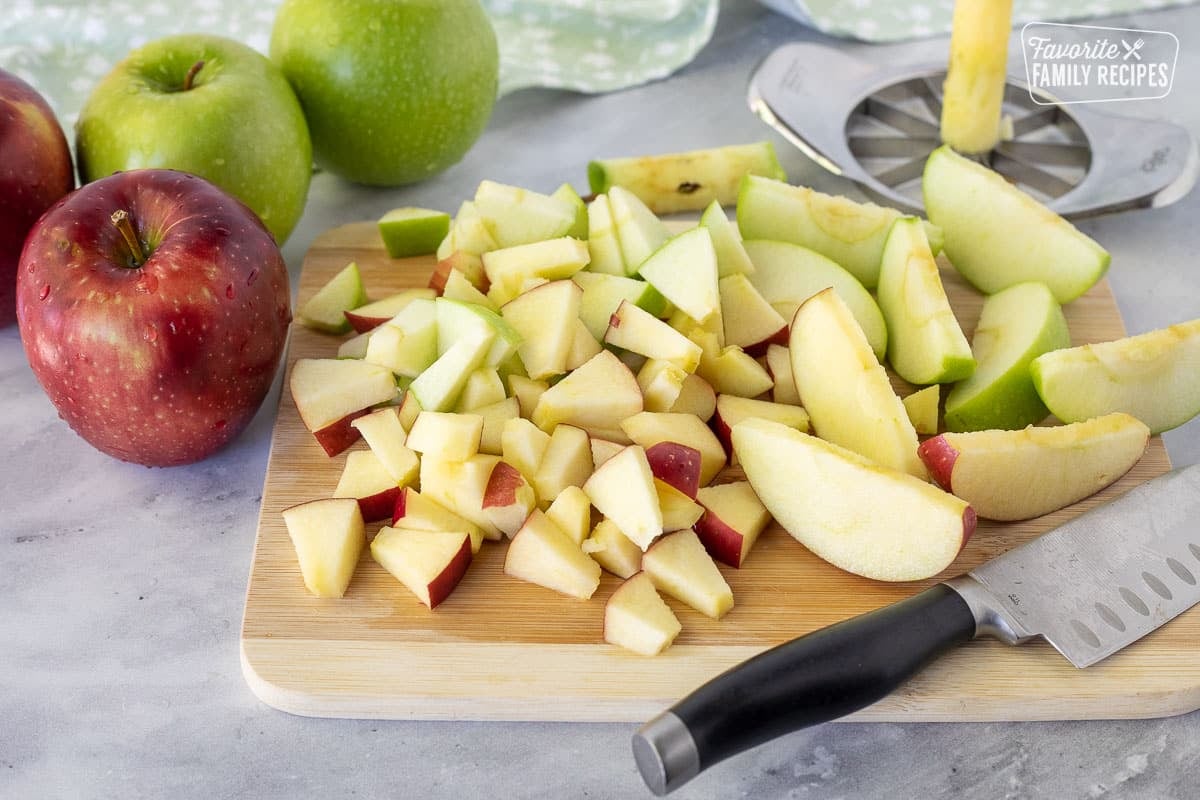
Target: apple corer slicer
{"x": 1077, "y": 161}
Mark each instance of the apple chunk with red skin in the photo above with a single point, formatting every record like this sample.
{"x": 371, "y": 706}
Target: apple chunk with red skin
{"x": 330, "y": 393}
{"x": 154, "y": 308}
{"x": 1011, "y": 475}
{"x": 860, "y": 516}
{"x": 677, "y": 465}
{"x": 366, "y": 479}
{"x": 733, "y": 519}
{"x": 508, "y": 498}
{"x": 429, "y": 563}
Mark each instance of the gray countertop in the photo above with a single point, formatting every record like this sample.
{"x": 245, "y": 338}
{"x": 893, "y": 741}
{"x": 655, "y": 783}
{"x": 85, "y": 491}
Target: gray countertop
{"x": 123, "y": 586}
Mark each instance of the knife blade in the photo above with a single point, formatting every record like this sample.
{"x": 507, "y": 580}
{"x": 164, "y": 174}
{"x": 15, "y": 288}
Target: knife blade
{"x": 1089, "y": 587}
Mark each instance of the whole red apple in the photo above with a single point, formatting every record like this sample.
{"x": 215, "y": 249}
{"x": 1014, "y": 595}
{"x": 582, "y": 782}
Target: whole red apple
{"x": 35, "y": 170}
{"x": 154, "y": 308}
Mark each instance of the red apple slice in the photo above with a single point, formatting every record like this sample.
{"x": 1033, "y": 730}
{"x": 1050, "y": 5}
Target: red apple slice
{"x": 603, "y": 450}
{"x": 367, "y": 480}
{"x": 331, "y": 392}
{"x": 733, "y": 519}
{"x": 508, "y": 498}
{"x": 750, "y": 321}
{"x": 677, "y": 465}
{"x": 460, "y": 486}
{"x": 648, "y": 429}
{"x": 429, "y": 563}
{"x": 779, "y": 364}
{"x": 732, "y": 409}
{"x": 415, "y": 511}
{"x": 371, "y": 315}
{"x": 385, "y": 436}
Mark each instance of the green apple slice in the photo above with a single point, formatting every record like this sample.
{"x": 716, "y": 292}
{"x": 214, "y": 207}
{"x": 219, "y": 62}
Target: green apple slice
{"x": 925, "y": 342}
{"x": 787, "y": 274}
{"x": 1016, "y": 326}
{"x": 603, "y": 245}
{"x": 457, "y": 320}
{"x": 407, "y": 343}
{"x": 922, "y": 408}
{"x": 602, "y": 293}
{"x": 519, "y": 216}
{"x": 326, "y": 310}
{"x": 413, "y": 231}
{"x": 438, "y": 387}
{"x": 731, "y": 255}
{"x": 684, "y": 270}
{"x": 639, "y": 231}
{"x": 997, "y": 236}
{"x": 1153, "y": 376}
{"x": 567, "y": 194}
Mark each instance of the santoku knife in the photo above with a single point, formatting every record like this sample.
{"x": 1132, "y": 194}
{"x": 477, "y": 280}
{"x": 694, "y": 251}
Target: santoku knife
{"x": 1089, "y": 587}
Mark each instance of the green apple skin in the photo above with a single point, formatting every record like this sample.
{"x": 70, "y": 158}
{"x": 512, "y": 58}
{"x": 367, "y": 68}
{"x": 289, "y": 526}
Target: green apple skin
{"x": 238, "y": 126}
{"x": 394, "y": 91}
{"x": 1016, "y": 325}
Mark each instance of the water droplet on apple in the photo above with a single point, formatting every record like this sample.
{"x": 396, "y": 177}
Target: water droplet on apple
{"x": 150, "y": 333}
{"x": 229, "y": 291}
{"x": 252, "y": 277}
{"x": 45, "y": 292}
{"x": 219, "y": 424}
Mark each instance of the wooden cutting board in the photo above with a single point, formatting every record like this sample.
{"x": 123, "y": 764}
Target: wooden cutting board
{"x": 502, "y": 649}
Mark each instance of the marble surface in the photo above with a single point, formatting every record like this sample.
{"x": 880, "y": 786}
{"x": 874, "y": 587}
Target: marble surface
{"x": 123, "y": 586}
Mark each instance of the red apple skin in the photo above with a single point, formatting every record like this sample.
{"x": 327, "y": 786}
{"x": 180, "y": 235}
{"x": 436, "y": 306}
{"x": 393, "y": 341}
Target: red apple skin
{"x": 720, "y": 540}
{"x": 969, "y": 521}
{"x": 35, "y": 171}
{"x": 939, "y": 456}
{"x": 164, "y": 363}
{"x": 363, "y": 324}
{"x": 401, "y": 508}
{"x": 503, "y": 485}
{"x": 456, "y": 260}
{"x": 379, "y": 505}
{"x": 441, "y": 586}
{"x": 335, "y": 437}
{"x": 757, "y": 349}
{"x": 676, "y": 464}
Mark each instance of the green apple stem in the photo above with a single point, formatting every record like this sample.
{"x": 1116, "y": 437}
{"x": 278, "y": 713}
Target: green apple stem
{"x": 191, "y": 75}
{"x": 138, "y": 254}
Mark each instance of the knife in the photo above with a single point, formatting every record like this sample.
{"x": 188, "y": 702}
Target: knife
{"x": 1089, "y": 587}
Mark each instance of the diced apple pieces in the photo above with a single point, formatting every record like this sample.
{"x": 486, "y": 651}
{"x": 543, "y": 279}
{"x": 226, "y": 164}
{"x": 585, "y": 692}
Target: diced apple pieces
{"x": 365, "y": 317}
{"x": 603, "y": 450}
{"x": 684, "y": 270}
{"x": 527, "y": 392}
{"x": 467, "y": 265}
{"x": 508, "y": 498}
{"x": 922, "y": 408}
{"x": 696, "y": 397}
{"x": 329, "y": 393}
{"x": 523, "y": 445}
{"x": 638, "y": 331}
{"x": 603, "y": 245}
{"x": 779, "y": 364}
{"x": 732, "y": 409}
{"x": 613, "y": 550}
{"x": 415, "y": 511}
{"x": 408, "y": 411}
{"x": 546, "y": 318}
{"x": 407, "y": 343}
{"x": 583, "y": 346}
{"x": 329, "y": 536}
{"x": 566, "y": 193}
{"x": 733, "y": 518}
{"x": 567, "y": 461}
{"x": 1011, "y": 475}
{"x": 413, "y": 231}
{"x": 678, "y": 510}
{"x": 429, "y": 563}
{"x": 603, "y": 293}
{"x": 367, "y": 480}
{"x": 597, "y": 396}
{"x": 1154, "y": 376}
{"x": 451, "y": 437}
{"x": 517, "y": 216}
{"x": 386, "y": 437}
{"x": 355, "y": 346}
{"x": 681, "y": 567}
{"x": 438, "y": 387}
{"x": 730, "y": 370}
{"x": 750, "y": 321}
{"x": 639, "y": 232}
{"x": 468, "y": 235}
{"x": 846, "y": 392}
{"x": 483, "y": 387}
{"x": 661, "y": 383}
{"x": 677, "y": 465}
{"x": 623, "y": 490}
{"x": 459, "y": 287}
{"x": 857, "y": 515}
{"x": 495, "y": 417}
{"x": 460, "y": 487}
{"x": 637, "y": 619}
{"x": 325, "y": 310}
{"x": 732, "y": 258}
{"x": 554, "y": 259}
{"x": 649, "y": 429}
{"x": 542, "y": 554}
{"x": 571, "y": 511}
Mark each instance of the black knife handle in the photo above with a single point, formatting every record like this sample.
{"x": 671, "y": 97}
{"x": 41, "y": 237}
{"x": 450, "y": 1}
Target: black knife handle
{"x": 815, "y": 678}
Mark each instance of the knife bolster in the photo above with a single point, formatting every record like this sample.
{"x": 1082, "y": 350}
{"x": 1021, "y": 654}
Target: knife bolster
{"x": 990, "y": 618}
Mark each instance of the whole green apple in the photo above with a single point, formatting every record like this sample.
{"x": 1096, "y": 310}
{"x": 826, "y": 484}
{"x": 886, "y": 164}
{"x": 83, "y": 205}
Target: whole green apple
{"x": 205, "y": 105}
{"x": 394, "y": 91}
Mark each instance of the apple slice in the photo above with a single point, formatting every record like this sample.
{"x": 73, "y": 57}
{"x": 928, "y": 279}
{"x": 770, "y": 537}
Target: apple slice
{"x": 365, "y": 317}
{"x": 457, "y": 321}
{"x": 553, "y": 259}
{"x": 677, "y": 465}
{"x": 458, "y": 287}
{"x": 925, "y": 342}
{"x": 413, "y": 231}
{"x": 750, "y": 321}
{"x": 546, "y": 319}
{"x": 364, "y": 478}
{"x": 602, "y": 293}
{"x": 681, "y": 567}
{"x": 583, "y": 346}
{"x": 429, "y": 563}
{"x": 571, "y": 511}
{"x": 508, "y": 498}
{"x": 603, "y": 450}
{"x": 407, "y": 343}
{"x": 733, "y": 519}
{"x": 640, "y": 332}
{"x": 732, "y": 409}
{"x": 603, "y": 245}
{"x": 450, "y": 437}
{"x": 415, "y": 511}
{"x": 1011, "y": 475}
{"x": 857, "y": 515}
{"x": 648, "y": 429}
{"x": 567, "y": 194}
{"x": 468, "y": 265}
{"x": 922, "y": 408}
{"x": 622, "y": 489}
{"x": 786, "y": 275}
{"x": 483, "y": 387}
{"x": 779, "y": 364}
{"x": 326, "y": 310}
{"x": 495, "y": 417}
{"x": 408, "y": 410}
{"x": 527, "y": 392}
{"x": 329, "y": 536}
{"x": 613, "y": 550}
{"x": 1016, "y": 325}
{"x": 845, "y": 390}
{"x": 732, "y": 258}
{"x": 460, "y": 487}
{"x": 517, "y": 216}
{"x": 684, "y": 270}
{"x": 637, "y": 619}
{"x": 597, "y": 396}
{"x": 731, "y": 370}
{"x": 997, "y": 236}
{"x": 438, "y": 387}
{"x": 386, "y": 436}
{"x": 542, "y": 554}
{"x": 696, "y": 397}
{"x": 1153, "y": 376}
{"x": 678, "y": 510}
{"x": 661, "y": 383}
{"x": 639, "y": 231}
{"x": 329, "y": 393}
{"x": 523, "y": 445}
{"x": 567, "y": 461}
{"x": 468, "y": 234}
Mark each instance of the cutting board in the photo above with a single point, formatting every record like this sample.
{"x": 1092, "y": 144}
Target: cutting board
{"x": 498, "y": 648}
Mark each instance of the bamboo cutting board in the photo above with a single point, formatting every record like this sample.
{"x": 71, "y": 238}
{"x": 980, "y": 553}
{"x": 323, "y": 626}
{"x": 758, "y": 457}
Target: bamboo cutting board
{"x": 502, "y": 649}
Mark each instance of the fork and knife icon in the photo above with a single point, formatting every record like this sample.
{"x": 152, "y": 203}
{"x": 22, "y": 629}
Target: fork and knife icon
{"x": 1131, "y": 50}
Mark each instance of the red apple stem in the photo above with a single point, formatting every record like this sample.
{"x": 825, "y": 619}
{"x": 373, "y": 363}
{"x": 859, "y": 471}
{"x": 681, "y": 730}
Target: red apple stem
{"x": 120, "y": 218}
{"x": 191, "y": 74}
